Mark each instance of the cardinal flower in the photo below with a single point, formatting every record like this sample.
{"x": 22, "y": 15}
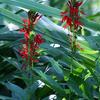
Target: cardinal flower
{"x": 26, "y": 28}
{"x": 72, "y": 16}
{"x": 29, "y": 51}
{"x": 38, "y": 39}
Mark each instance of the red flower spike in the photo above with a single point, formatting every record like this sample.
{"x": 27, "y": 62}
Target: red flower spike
{"x": 38, "y": 39}
{"x": 64, "y": 19}
{"x": 77, "y": 23}
{"x": 26, "y": 35}
{"x": 29, "y": 50}
{"x": 72, "y": 16}
{"x": 22, "y": 30}
{"x": 64, "y": 13}
{"x": 68, "y": 22}
{"x": 35, "y": 60}
{"x": 24, "y": 20}
{"x": 78, "y": 4}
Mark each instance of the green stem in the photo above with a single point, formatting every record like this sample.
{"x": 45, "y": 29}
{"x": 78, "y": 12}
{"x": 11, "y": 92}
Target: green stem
{"x": 28, "y": 55}
{"x": 74, "y": 43}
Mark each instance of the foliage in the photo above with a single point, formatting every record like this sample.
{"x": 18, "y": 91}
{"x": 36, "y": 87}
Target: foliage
{"x": 59, "y": 72}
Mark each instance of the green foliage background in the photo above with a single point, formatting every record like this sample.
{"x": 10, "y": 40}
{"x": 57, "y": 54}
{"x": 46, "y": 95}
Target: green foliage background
{"x": 67, "y": 76}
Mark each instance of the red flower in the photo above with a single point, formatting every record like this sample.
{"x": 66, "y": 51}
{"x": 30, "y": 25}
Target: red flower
{"x": 38, "y": 39}
{"x": 78, "y": 4}
{"x": 26, "y": 29}
{"x": 29, "y": 50}
{"x": 24, "y": 52}
{"x": 71, "y": 17}
{"x": 77, "y": 23}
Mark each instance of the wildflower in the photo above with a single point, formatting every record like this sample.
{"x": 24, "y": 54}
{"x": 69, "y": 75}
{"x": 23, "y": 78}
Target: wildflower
{"x": 29, "y": 23}
{"x": 38, "y": 39}
{"x": 71, "y": 17}
{"x": 29, "y": 51}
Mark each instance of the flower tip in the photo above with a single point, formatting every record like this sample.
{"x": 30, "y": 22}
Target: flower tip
{"x": 78, "y": 4}
{"x": 21, "y": 30}
{"x": 63, "y": 13}
{"x": 25, "y": 20}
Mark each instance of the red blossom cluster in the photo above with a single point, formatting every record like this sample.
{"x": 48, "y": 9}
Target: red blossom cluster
{"x": 26, "y": 28}
{"x": 72, "y": 16}
{"x": 29, "y": 51}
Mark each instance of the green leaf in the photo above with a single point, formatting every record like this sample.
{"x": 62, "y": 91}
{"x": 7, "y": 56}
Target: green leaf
{"x": 5, "y": 98}
{"x": 10, "y": 36}
{"x": 17, "y": 92}
{"x": 56, "y": 67}
{"x": 84, "y": 3}
{"x": 31, "y": 90}
{"x": 46, "y": 10}
{"x": 90, "y": 24}
{"x": 94, "y": 16}
{"x": 94, "y": 41}
{"x": 73, "y": 84}
{"x": 12, "y": 17}
{"x": 13, "y": 62}
{"x": 50, "y": 82}
{"x": 88, "y": 90}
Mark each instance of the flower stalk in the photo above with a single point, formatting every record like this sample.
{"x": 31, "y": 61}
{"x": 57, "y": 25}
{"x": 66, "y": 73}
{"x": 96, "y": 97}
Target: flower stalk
{"x": 32, "y": 41}
{"x": 72, "y": 20}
